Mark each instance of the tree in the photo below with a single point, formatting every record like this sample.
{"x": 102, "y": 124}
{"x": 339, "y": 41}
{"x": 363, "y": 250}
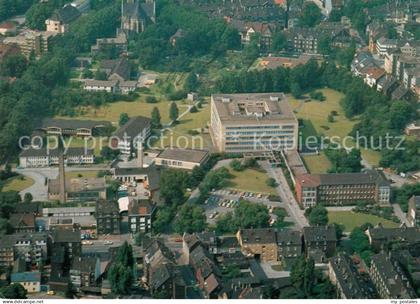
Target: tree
{"x": 318, "y": 216}
{"x": 250, "y": 215}
{"x": 164, "y": 216}
{"x": 324, "y": 45}
{"x": 13, "y": 291}
{"x": 173, "y": 112}
{"x": 27, "y": 198}
{"x": 87, "y": 73}
{"x": 156, "y": 124}
{"x": 120, "y": 274}
{"x": 193, "y": 109}
{"x": 311, "y": 15}
{"x": 100, "y": 75}
{"x": 109, "y": 153}
{"x": 190, "y": 219}
{"x": 191, "y": 82}
{"x": 359, "y": 242}
{"x": 271, "y": 182}
{"x": 123, "y": 119}
{"x": 172, "y": 186}
{"x": 296, "y": 90}
{"x": 14, "y": 66}
{"x": 236, "y": 165}
{"x": 279, "y": 41}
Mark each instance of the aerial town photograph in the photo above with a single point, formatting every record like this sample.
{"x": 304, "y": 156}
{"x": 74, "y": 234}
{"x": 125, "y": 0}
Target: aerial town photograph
{"x": 209, "y": 149}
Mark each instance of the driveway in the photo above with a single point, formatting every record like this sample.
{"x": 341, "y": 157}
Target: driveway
{"x": 286, "y": 195}
{"x": 400, "y": 214}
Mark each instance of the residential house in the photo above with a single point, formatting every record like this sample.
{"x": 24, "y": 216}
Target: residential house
{"x": 186, "y": 159}
{"x": 373, "y": 76}
{"x": 383, "y": 45}
{"x": 134, "y": 132}
{"x": 413, "y": 129}
{"x": 69, "y": 240}
{"x": 140, "y": 213}
{"x": 22, "y": 222}
{"x": 119, "y": 42}
{"x": 320, "y": 242}
{"x": 381, "y": 238}
{"x": 349, "y": 281}
{"x": 60, "y": 20}
{"x": 259, "y": 243}
{"x": 108, "y": 218}
{"x": 126, "y": 87}
{"x": 30, "y": 281}
{"x": 406, "y": 62}
{"x": 248, "y": 30}
{"x": 7, "y": 28}
{"x": 401, "y": 93}
{"x": 413, "y": 213}
{"x": 289, "y": 244}
{"x": 206, "y": 272}
{"x": 303, "y": 40}
{"x": 85, "y": 273}
{"x": 389, "y": 278}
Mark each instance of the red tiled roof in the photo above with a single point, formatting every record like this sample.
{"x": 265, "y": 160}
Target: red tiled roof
{"x": 309, "y": 180}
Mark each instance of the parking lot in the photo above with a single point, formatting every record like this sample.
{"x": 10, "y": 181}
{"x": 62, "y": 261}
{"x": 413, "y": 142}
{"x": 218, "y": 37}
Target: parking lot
{"x": 225, "y": 200}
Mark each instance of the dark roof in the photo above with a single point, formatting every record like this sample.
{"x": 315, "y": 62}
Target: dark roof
{"x": 66, "y": 236}
{"x": 66, "y": 14}
{"x": 71, "y": 151}
{"x": 84, "y": 264}
{"x": 121, "y": 67}
{"x": 32, "y": 207}
{"x": 130, "y": 9}
{"x": 289, "y": 237}
{"x": 26, "y": 277}
{"x": 391, "y": 277}
{"x": 160, "y": 275}
{"x": 369, "y": 177}
{"x": 141, "y": 207}
{"x": 352, "y": 286}
{"x": 18, "y": 220}
{"x": 406, "y": 234}
{"x": 73, "y": 123}
{"x": 133, "y": 127}
{"x": 399, "y": 92}
{"x": 10, "y": 240}
{"x": 104, "y": 207}
{"x": 202, "y": 261}
{"x": 319, "y": 233}
{"x": 152, "y": 172}
{"x": 189, "y": 155}
{"x": 259, "y": 236}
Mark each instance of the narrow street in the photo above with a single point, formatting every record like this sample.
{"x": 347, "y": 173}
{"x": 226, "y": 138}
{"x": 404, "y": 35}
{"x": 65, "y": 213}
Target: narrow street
{"x": 286, "y": 195}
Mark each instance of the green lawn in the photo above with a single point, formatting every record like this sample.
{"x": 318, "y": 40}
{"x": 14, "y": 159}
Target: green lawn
{"x": 249, "y": 180}
{"x": 179, "y": 136}
{"x": 317, "y": 164}
{"x": 82, "y": 174}
{"x": 351, "y": 220}
{"x": 315, "y": 118}
{"x": 17, "y": 183}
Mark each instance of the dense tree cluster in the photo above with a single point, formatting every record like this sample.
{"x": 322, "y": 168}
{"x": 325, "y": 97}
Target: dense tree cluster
{"x": 120, "y": 274}
{"x": 343, "y": 161}
{"x": 317, "y": 216}
{"x": 10, "y": 8}
{"x": 190, "y": 219}
{"x": 246, "y": 215}
{"x": 41, "y": 11}
{"x": 156, "y": 50}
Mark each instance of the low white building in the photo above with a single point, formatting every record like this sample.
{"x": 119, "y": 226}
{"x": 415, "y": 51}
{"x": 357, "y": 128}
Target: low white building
{"x": 32, "y": 157}
{"x": 110, "y": 86}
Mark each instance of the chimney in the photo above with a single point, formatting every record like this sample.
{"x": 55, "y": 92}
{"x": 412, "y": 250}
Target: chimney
{"x": 61, "y": 174}
{"x": 140, "y": 154}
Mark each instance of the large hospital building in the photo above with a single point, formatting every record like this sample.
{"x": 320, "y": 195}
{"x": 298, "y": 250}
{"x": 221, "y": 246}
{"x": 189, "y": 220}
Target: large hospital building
{"x": 252, "y": 122}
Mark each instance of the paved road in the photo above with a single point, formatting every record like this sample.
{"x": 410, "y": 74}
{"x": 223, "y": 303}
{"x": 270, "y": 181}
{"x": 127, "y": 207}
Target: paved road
{"x": 286, "y": 195}
{"x": 401, "y": 215}
{"x": 39, "y": 188}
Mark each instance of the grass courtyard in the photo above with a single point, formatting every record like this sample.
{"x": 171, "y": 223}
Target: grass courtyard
{"x": 17, "y": 183}
{"x": 317, "y": 164}
{"x": 350, "y": 219}
{"x": 315, "y": 118}
{"x": 82, "y": 174}
{"x": 249, "y": 180}
{"x": 180, "y": 136}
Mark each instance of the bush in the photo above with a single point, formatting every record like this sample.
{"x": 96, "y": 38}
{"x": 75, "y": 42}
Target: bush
{"x": 317, "y": 96}
{"x": 193, "y": 109}
{"x": 177, "y": 95}
{"x": 193, "y": 132}
{"x": 151, "y": 99}
{"x": 271, "y": 182}
{"x": 236, "y": 165}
